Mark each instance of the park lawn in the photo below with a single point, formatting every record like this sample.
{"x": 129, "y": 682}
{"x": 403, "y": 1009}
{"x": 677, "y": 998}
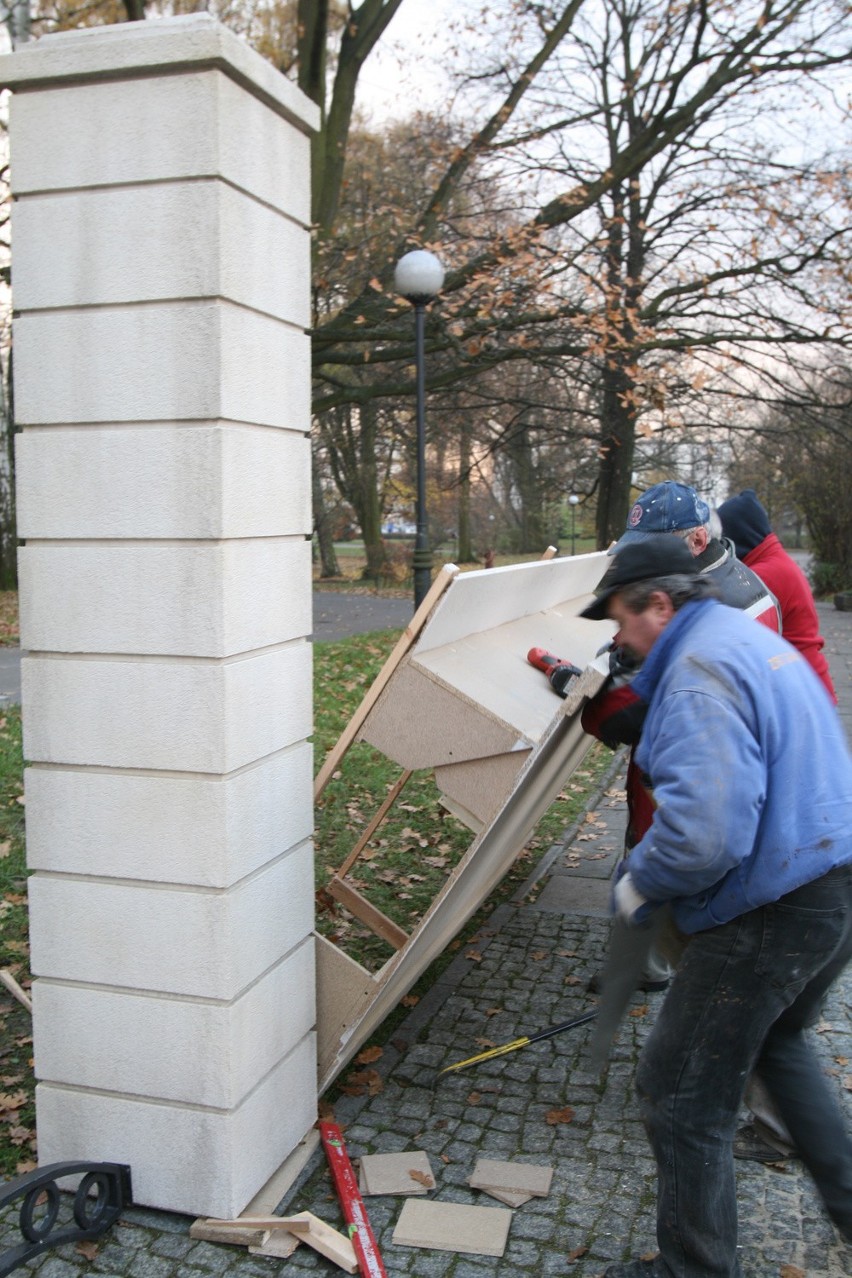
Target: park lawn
{"x": 402, "y": 871}
{"x": 9, "y": 618}
{"x": 17, "y": 1108}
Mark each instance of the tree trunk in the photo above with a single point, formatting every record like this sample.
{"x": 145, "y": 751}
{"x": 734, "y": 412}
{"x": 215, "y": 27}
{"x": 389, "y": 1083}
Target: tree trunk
{"x": 619, "y": 408}
{"x": 329, "y": 566}
{"x": 527, "y": 481}
{"x": 616, "y": 453}
{"x": 369, "y": 504}
{"x": 464, "y": 549}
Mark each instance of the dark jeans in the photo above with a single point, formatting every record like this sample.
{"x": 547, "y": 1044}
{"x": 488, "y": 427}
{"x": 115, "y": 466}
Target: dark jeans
{"x": 741, "y": 1000}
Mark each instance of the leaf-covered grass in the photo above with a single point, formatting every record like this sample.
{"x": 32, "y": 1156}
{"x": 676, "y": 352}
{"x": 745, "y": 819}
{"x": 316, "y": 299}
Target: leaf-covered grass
{"x": 9, "y": 618}
{"x": 402, "y": 871}
{"x": 17, "y": 1107}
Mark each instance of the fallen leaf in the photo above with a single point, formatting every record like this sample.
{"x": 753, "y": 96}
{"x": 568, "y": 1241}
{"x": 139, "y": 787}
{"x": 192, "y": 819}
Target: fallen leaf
{"x": 474, "y": 956}
{"x": 484, "y": 1042}
{"x": 493, "y": 1011}
{"x": 576, "y": 1254}
{"x": 791, "y": 1271}
{"x": 422, "y": 1178}
{"x": 445, "y": 1158}
{"x": 369, "y": 1055}
{"x": 846, "y": 1082}
{"x": 572, "y": 980}
{"x": 554, "y": 1116}
{"x": 538, "y": 955}
{"x": 367, "y": 1080}
{"x": 642, "y": 1010}
{"x": 87, "y": 1249}
{"x": 12, "y": 1100}
{"x": 410, "y": 1000}
{"x": 28, "y": 1165}
{"x": 474, "y": 1098}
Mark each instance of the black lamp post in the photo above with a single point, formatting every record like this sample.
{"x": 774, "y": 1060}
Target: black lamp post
{"x": 573, "y": 500}
{"x": 418, "y": 278}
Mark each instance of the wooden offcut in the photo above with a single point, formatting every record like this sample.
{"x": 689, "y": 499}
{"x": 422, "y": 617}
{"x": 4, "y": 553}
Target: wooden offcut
{"x": 512, "y": 1177}
{"x": 476, "y": 1231}
{"x": 378, "y": 923}
{"x": 405, "y": 1173}
{"x": 317, "y": 1234}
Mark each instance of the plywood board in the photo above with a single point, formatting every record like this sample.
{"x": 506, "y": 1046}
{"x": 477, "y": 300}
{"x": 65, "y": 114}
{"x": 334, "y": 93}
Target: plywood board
{"x": 344, "y": 992}
{"x": 528, "y": 1178}
{"x": 405, "y": 1173}
{"x": 477, "y": 1231}
{"x": 506, "y": 1196}
{"x": 443, "y": 580}
{"x": 476, "y": 789}
{"x": 420, "y": 722}
{"x": 491, "y": 671}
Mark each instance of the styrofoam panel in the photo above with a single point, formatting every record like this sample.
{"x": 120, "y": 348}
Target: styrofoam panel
{"x": 483, "y": 600}
{"x": 203, "y": 1162}
{"x": 131, "y": 244}
{"x": 205, "y": 943}
{"x": 211, "y": 600}
{"x": 201, "y": 1052}
{"x": 155, "y": 129}
{"x": 206, "y": 831}
{"x": 180, "y": 715}
{"x": 490, "y": 669}
{"x": 166, "y": 361}
{"x": 163, "y": 482}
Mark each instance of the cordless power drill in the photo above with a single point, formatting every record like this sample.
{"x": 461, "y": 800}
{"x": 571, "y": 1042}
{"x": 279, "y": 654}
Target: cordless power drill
{"x": 559, "y": 672}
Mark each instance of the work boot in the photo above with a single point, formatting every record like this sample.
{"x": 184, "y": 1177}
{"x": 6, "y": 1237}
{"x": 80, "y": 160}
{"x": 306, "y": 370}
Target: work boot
{"x": 754, "y": 1143}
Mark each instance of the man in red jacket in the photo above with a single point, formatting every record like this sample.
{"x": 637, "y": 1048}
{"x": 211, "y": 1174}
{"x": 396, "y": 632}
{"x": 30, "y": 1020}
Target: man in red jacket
{"x": 746, "y": 523}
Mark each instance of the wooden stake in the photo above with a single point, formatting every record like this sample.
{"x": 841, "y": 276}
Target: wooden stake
{"x": 412, "y": 630}
{"x": 7, "y": 979}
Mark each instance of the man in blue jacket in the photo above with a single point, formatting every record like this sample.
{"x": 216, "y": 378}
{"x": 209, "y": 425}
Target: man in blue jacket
{"x": 751, "y": 848}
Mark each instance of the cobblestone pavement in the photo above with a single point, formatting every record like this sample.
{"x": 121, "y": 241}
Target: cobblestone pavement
{"x": 527, "y": 969}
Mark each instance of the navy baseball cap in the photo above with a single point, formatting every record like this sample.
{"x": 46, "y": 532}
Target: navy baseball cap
{"x": 651, "y": 557}
{"x": 665, "y": 508}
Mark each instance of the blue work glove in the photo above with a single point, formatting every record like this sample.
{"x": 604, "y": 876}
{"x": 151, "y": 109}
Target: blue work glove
{"x": 627, "y": 902}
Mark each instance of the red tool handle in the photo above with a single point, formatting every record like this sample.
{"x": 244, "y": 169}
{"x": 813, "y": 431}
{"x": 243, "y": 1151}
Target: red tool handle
{"x": 355, "y": 1213}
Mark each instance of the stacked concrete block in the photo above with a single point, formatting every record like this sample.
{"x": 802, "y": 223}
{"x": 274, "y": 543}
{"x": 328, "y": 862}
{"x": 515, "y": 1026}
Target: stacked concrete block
{"x": 161, "y": 287}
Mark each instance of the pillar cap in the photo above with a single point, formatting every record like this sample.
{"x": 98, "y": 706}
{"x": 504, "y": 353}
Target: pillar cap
{"x": 193, "y": 41}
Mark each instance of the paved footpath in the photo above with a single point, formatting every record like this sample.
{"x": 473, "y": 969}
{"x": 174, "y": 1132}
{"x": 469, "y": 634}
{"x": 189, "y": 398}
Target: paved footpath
{"x": 527, "y": 969}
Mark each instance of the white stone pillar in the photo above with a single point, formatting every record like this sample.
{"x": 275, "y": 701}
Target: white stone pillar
{"x": 161, "y": 286}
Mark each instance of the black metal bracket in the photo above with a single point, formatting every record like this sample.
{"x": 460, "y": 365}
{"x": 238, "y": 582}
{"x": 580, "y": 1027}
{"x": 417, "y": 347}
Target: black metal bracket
{"x": 101, "y": 1196}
